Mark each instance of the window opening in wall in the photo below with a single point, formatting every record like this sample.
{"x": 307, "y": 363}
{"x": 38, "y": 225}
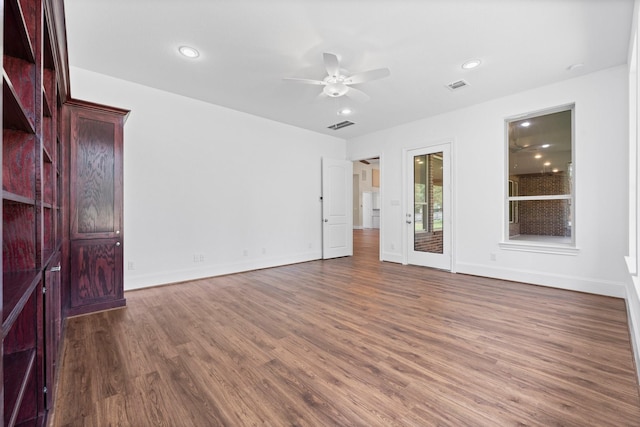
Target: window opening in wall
{"x": 540, "y": 196}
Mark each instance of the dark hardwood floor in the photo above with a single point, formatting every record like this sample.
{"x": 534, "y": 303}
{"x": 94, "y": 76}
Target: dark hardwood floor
{"x": 350, "y": 341}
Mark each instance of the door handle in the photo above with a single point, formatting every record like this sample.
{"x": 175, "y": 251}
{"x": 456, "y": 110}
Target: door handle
{"x": 56, "y": 268}
{"x": 408, "y": 222}
{"x": 326, "y": 220}
{"x": 117, "y": 243}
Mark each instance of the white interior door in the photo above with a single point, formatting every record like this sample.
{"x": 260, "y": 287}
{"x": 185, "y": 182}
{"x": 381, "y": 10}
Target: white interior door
{"x": 337, "y": 209}
{"x": 428, "y": 211}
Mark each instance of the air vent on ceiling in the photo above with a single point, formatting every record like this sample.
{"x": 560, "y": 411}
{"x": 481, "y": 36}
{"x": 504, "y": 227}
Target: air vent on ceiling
{"x": 457, "y": 85}
{"x": 341, "y": 125}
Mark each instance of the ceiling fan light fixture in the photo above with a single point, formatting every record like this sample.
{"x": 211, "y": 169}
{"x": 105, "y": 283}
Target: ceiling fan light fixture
{"x": 345, "y": 112}
{"x": 335, "y": 89}
{"x": 189, "y": 51}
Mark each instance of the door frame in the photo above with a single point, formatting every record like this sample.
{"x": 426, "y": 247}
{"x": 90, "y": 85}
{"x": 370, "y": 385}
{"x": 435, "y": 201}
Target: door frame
{"x": 381, "y": 191}
{"x": 452, "y": 197}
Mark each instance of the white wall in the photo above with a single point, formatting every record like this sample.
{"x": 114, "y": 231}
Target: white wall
{"x": 478, "y": 137}
{"x": 200, "y": 179}
{"x": 633, "y": 260}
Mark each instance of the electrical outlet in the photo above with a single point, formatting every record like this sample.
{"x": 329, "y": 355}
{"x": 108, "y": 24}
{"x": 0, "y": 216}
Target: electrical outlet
{"x": 492, "y": 257}
{"x": 201, "y": 257}
{"x": 264, "y": 251}
{"x": 245, "y": 252}
{"x": 131, "y": 265}
{"x": 393, "y": 247}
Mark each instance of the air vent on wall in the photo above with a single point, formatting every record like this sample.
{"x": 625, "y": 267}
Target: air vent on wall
{"x": 457, "y": 85}
{"x": 341, "y": 125}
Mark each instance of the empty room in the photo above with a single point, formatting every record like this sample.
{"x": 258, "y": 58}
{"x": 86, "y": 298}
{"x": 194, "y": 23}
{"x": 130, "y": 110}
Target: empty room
{"x": 320, "y": 213}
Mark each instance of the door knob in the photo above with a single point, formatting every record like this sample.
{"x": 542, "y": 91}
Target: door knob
{"x": 117, "y": 243}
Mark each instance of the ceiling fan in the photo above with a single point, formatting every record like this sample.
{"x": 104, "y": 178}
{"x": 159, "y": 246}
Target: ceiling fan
{"x": 338, "y": 81}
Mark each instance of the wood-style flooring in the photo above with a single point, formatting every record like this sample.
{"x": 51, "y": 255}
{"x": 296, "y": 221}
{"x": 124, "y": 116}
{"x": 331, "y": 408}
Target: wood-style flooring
{"x": 350, "y": 342}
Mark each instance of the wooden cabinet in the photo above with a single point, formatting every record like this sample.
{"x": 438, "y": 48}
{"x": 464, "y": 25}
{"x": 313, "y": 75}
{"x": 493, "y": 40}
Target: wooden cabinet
{"x": 31, "y": 209}
{"x": 61, "y": 199}
{"x": 95, "y": 134}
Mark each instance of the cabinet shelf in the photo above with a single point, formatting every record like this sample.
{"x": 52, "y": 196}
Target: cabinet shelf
{"x": 18, "y": 373}
{"x": 46, "y": 108}
{"x": 16, "y": 38}
{"x": 16, "y": 198}
{"x": 13, "y": 113}
{"x": 17, "y": 289}
{"x": 46, "y": 155}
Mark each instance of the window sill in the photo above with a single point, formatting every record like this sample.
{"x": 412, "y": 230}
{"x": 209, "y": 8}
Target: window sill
{"x": 544, "y": 248}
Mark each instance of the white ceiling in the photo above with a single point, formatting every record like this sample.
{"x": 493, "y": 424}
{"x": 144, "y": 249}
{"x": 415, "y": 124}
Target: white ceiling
{"x": 248, "y": 46}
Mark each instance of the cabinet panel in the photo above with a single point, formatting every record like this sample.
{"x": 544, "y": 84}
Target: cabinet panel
{"x": 96, "y": 272}
{"x": 96, "y": 174}
{"x": 53, "y": 326}
{"x": 18, "y": 237}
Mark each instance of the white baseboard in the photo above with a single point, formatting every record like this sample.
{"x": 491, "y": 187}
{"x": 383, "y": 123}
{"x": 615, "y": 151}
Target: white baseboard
{"x": 158, "y": 278}
{"x": 573, "y": 283}
{"x": 392, "y": 257}
{"x": 633, "y": 315}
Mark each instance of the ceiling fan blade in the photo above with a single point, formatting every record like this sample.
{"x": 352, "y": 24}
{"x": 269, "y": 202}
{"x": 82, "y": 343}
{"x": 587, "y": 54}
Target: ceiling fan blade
{"x": 367, "y": 76}
{"x": 357, "y": 95}
{"x": 332, "y": 64}
{"x": 306, "y": 81}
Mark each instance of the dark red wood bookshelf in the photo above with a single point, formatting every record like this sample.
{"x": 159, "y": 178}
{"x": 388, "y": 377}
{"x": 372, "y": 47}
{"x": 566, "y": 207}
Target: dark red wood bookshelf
{"x": 40, "y": 284}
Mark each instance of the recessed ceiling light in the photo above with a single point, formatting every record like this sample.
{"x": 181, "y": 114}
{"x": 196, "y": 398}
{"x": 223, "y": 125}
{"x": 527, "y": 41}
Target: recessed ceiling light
{"x": 538, "y": 156}
{"x": 555, "y": 170}
{"x": 473, "y": 63}
{"x": 547, "y": 163}
{"x": 188, "y": 51}
{"x": 546, "y": 145}
{"x": 345, "y": 112}
{"x": 525, "y": 124}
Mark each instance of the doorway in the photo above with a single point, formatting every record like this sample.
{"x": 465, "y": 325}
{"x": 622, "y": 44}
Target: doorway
{"x": 367, "y": 205}
{"x": 428, "y": 211}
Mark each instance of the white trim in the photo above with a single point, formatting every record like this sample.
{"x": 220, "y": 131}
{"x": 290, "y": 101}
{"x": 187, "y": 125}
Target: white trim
{"x": 544, "y": 248}
{"x": 526, "y": 198}
{"x": 393, "y": 257}
{"x": 572, "y": 283}
{"x": 633, "y": 319}
{"x": 175, "y": 276}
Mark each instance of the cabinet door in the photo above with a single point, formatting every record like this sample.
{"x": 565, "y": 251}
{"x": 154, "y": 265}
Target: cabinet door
{"x": 95, "y": 175}
{"x": 96, "y": 269}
